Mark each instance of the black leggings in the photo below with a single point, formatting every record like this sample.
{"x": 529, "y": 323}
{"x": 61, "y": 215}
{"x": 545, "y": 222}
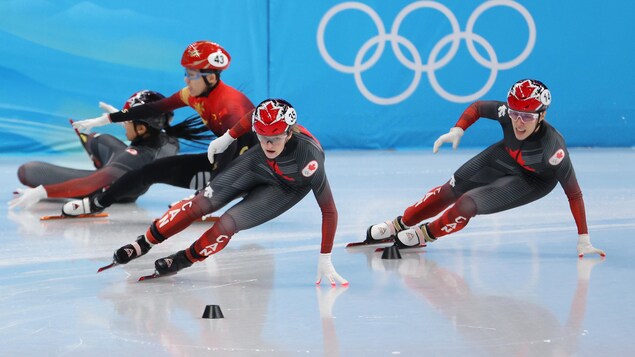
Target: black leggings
{"x": 497, "y": 183}
{"x": 102, "y": 147}
{"x": 191, "y": 171}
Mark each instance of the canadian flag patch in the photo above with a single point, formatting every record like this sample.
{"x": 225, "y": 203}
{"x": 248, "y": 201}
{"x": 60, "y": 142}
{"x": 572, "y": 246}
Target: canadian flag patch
{"x": 557, "y": 157}
{"x": 131, "y": 151}
{"x": 310, "y": 168}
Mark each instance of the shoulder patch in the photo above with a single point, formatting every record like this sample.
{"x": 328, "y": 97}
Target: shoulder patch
{"x": 132, "y": 151}
{"x": 502, "y": 110}
{"x": 557, "y": 157}
{"x": 310, "y": 168}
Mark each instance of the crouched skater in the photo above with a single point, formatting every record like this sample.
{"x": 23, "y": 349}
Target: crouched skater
{"x": 526, "y": 165}
{"x": 271, "y": 178}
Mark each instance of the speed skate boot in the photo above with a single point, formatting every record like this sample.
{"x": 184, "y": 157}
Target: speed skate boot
{"x": 87, "y": 205}
{"x": 385, "y": 231}
{"x": 132, "y": 251}
{"x": 172, "y": 264}
{"x": 417, "y": 236}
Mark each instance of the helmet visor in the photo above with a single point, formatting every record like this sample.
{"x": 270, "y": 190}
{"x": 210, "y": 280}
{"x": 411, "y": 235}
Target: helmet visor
{"x": 525, "y": 117}
{"x": 274, "y": 139}
{"x": 193, "y": 75}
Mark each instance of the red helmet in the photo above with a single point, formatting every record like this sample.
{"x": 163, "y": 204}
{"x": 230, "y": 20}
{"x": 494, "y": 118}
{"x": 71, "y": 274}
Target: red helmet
{"x": 147, "y": 96}
{"x": 273, "y": 117}
{"x": 205, "y": 55}
{"x": 529, "y": 95}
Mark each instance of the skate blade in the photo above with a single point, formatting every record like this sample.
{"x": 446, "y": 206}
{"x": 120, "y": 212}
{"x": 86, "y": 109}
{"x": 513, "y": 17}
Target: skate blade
{"x": 82, "y": 139}
{"x": 154, "y": 276}
{"x": 107, "y": 267}
{"x": 61, "y": 216}
{"x": 380, "y": 250}
{"x": 366, "y": 243}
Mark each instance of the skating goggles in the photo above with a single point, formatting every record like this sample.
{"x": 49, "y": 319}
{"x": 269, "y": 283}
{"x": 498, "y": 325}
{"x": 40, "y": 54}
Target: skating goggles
{"x": 194, "y": 75}
{"x": 524, "y": 116}
{"x": 274, "y": 139}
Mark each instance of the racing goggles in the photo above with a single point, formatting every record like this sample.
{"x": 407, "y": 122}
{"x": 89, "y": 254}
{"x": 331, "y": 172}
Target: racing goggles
{"x": 274, "y": 139}
{"x": 525, "y": 117}
{"x": 194, "y": 75}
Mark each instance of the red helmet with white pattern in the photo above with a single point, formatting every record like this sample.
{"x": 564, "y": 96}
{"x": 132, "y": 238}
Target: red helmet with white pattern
{"x": 205, "y": 56}
{"x": 273, "y": 117}
{"x": 529, "y": 95}
{"x": 146, "y": 96}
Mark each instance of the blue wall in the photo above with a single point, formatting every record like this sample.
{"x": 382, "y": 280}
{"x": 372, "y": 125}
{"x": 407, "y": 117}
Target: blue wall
{"x": 333, "y": 60}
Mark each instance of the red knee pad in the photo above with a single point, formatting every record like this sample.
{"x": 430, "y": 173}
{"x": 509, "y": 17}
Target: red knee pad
{"x": 207, "y": 245}
{"x": 454, "y": 219}
{"x": 214, "y": 239}
{"x": 176, "y": 219}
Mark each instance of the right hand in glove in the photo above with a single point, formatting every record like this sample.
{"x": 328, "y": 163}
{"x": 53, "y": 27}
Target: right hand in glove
{"x": 219, "y": 145}
{"x": 585, "y": 247}
{"x": 326, "y": 268}
{"x": 108, "y": 108}
{"x": 87, "y": 124}
{"x": 453, "y": 136}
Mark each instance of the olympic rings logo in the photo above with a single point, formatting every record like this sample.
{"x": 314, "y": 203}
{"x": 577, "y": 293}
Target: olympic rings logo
{"x": 433, "y": 63}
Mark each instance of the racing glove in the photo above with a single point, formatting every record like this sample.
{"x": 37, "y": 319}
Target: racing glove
{"x": 453, "y": 136}
{"x": 87, "y": 124}
{"x": 585, "y": 246}
{"x": 28, "y": 197}
{"x": 326, "y": 268}
{"x": 219, "y": 145}
{"x": 108, "y": 108}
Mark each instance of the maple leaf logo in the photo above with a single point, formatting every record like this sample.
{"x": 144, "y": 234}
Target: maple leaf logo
{"x": 557, "y": 158}
{"x": 269, "y": 113}
{"x": 526, "y": 89}
{"x": 310, "y": 168}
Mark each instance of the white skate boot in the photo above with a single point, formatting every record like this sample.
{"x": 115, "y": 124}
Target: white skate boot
{"x": 417, "y": 236}
{"x": 385, "y": 231}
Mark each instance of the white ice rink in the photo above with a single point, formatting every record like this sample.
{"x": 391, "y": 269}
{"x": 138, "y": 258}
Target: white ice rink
{"x": 510, "y": 284}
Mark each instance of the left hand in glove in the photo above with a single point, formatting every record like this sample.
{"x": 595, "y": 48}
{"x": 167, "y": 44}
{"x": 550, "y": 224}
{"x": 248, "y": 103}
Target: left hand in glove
{"x": 585, "y": 246}
{"x": 87, "y": 124}
{"x": 108, "y": 108}
{"x": 28, "y": 197}
{"x": 326, "y": 268}
{"x": 219, "y": 145}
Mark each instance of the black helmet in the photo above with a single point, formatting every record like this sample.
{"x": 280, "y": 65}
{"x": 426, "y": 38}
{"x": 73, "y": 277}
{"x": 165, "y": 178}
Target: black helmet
{"x": 146, "y": 96}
